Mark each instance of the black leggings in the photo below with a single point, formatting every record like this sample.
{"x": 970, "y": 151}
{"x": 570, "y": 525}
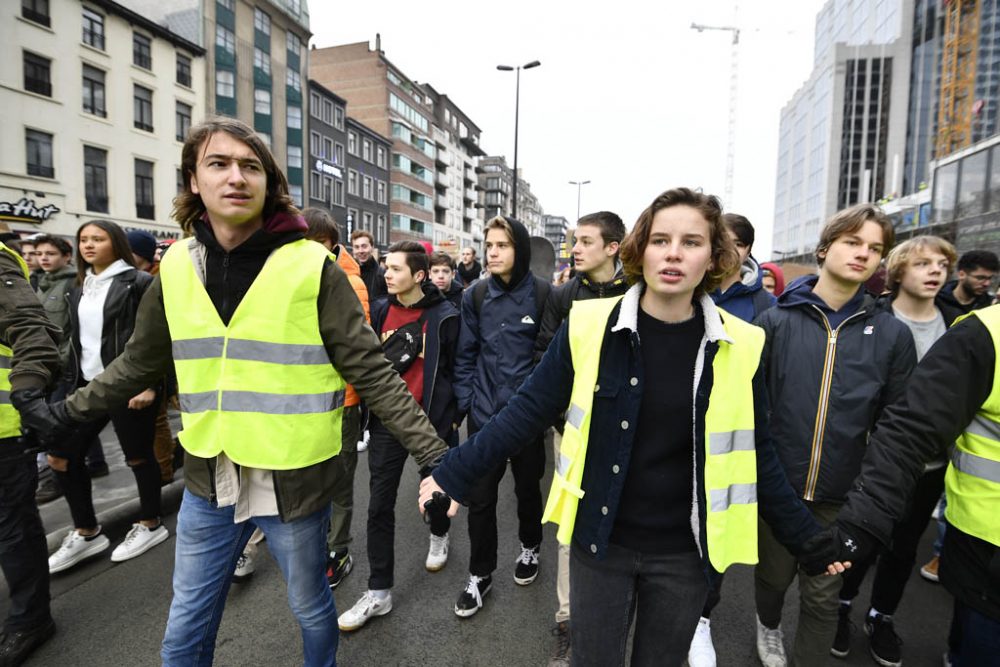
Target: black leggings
{"x": 135, "y": 430}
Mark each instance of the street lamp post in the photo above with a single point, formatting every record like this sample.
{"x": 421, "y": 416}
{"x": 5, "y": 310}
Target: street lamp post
{"x": 579, "y": 185}
{"x": 517, "y": 104}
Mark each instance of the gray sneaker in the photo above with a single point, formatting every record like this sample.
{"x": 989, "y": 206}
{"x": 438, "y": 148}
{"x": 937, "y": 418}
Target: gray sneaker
{"x": 771, "y": 646}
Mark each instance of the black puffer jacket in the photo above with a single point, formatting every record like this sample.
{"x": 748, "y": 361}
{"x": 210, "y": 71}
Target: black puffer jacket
{"x": 828, "y": 388}
{"x": 557, "y": 306}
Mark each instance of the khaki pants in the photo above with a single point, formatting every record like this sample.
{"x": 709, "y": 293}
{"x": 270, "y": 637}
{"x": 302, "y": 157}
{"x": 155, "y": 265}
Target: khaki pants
{"x": 339, "y": 536}
{"x": 818, "y": 596}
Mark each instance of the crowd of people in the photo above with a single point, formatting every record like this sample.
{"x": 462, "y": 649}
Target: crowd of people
{"x": 701, "y": 411}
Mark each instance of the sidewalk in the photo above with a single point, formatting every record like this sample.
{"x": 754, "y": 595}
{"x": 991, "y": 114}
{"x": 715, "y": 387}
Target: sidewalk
{"x": 116, "y": 499}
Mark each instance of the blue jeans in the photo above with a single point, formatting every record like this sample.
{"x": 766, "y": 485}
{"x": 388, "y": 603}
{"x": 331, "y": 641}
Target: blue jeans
{"x": 974, "y": 639}
{"x": 208, "y": 546}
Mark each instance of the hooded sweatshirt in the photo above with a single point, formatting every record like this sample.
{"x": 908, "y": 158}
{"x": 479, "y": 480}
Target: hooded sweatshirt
{"x": 53, "y": 290}
{"x": 947, "y": 294}
{"x": 91, "y": 313}
{"x": 746, "y": 298}
{"x": 522, "y": 256}
{"x": 800, "y": 292}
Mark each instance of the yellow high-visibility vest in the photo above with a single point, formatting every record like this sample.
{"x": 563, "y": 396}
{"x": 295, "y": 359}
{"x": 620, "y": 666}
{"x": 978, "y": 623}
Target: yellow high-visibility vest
{"x": 729, "y": 487}
{"x": 972, "y": 480}
{"x": 261, "y": 389}
{"x": 10, "y": 421}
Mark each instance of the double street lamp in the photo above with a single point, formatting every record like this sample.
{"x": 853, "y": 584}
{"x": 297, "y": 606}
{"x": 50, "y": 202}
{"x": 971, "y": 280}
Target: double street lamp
{"x": 579, "y": 185}
{"x": 517, "y": 103}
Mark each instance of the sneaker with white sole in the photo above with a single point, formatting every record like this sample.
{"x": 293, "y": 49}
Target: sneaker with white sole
{"x": 437, "y": 553}
{"x": 771, "y": 646}
{"x": 244, "y": 568}
{"x": 526, "y": 565}
{"x": 471, "y": 599}
{"x": 75, "y": 548}
{"x": 369, "y": 606}
{"x": 702, "y": 650}
{"x": 138, "y": 541}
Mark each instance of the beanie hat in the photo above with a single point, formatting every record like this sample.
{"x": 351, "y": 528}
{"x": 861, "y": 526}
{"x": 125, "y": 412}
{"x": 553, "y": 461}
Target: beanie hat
{"x": 142, "y": 244}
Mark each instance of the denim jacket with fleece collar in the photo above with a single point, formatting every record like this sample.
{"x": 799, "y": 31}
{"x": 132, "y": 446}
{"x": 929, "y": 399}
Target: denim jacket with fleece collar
{"x": 547, "y": 392}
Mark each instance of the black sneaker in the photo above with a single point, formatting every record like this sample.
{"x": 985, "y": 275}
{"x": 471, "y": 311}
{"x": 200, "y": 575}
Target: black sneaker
{"x": 560, "y": 657}
{"x": 48, "y": 490}
{"x": 845, "y": 628}
{"x": 98, "y": 469}
{"x": 337, "y": 568}
{"x": 15, "y": 647}
{"x": 885, "y": 645}
{"x": 471, "y": 599}
{"x": 527, "y": 566}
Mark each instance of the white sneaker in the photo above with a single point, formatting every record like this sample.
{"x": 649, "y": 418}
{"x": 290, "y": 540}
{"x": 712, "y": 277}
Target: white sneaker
{"x": 244, "y": 568}
{"x": 437, "y": 554}
{"x": 770, "y": 646}
{"x": 369, "y": 606}
{"x": 138, "y": 541}
{"x": 363, "y": 442}
{"x": 75, "y": 548}
{"x": 702, "y": 651}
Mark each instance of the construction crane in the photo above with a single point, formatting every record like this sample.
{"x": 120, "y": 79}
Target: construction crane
{"x": 733, "y": 93}
{"x": 957, "y": 104}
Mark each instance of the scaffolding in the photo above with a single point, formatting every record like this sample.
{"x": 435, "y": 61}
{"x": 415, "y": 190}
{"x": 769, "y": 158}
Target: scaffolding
{"x": 956, "y": 105}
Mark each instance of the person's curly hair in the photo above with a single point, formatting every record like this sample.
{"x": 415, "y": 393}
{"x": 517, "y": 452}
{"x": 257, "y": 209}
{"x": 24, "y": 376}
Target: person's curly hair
{"x": 725, "y": 259}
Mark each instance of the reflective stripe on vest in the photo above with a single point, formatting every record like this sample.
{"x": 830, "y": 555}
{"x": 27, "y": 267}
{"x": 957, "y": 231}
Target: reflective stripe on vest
{"x": 730, "y": 478}
{"x": 261, "y": 389}
{"x": 972, "y": 481}
{"x": 10, "y": 421}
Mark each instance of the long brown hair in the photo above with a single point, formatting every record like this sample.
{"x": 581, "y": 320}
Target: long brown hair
{"x": 119, "y": 244}
{"x": 188, "y": 206}
{"x": 725, "y": 259}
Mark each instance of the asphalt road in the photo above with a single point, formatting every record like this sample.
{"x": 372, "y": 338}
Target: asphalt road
{"x": 111, "y": 614}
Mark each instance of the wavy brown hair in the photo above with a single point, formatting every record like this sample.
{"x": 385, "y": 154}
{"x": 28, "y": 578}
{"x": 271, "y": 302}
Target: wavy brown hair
{"x": 725, "y": 259}
{"x": 188, "y": 207}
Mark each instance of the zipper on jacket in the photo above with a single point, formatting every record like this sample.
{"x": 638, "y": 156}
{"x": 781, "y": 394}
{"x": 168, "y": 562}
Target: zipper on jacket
{"x": 225, "y": 284}
{"x": 812, "y": 477}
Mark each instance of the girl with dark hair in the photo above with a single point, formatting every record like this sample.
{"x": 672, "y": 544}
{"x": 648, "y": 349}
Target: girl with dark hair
{"x": 103, "y": 309}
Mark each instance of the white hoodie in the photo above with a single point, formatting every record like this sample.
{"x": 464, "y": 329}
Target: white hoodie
{"x": 91, "y": 314}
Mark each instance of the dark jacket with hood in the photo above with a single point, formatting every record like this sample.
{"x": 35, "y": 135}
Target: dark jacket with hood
{"x": 747, "y": 298}
{"x": 454, "y": 294}
{"x": 496, "y": 347}
{"x": 440, "y": 344}
{"x": 374, "y": 277}
{"x": 350, "y": 343}
{"x": 828, "y": 386}
{"x": 470, "y": 274}
{"x": 947, "y": 295}
{"x": 944, "y": 393}
{"x": 54, "y": 291}
{"x": 560, "y": 301}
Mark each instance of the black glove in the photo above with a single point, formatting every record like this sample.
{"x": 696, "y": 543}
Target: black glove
{"x": 48, "y": 422}
{"x": 839, "y": 542}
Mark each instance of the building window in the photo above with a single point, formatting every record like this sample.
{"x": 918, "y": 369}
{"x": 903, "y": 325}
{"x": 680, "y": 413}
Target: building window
{"x": 352, "y": 219}
{"x": 261, "y": 21}
{"x": 39, "y": 150}
{"x": 314, "y": 104}
{"x": 183, "y": 70}
{"x": 228, "y": 4}
{"x": 93, "y": 91}
{"x": 144, "y": 190}
{"x": 352, "y": 142}
{"x": 225, "y": 39}
{"x": 314, "y": 144}
{"x": 296, "y": 193}
{"x": 37, "y": 73}
{"x": 143, "y": 108}
{"x": 262, "y": 101}
{"x": 327, "y": 116}
{"x": 315, "y": 181}
{"x": 366, "y": 221}
{"x": 294, "y": 6}
{"x": 37, "y": 11}
{"x": 225, "y": 83}
{"x": 93, "y": 29}
{"x": 352, "y": 182}
{"x": 327, "y": 189}
{"x": 262, "y": 61}
{"x": 142, "y": 51}
{"x": 327, "y": 148}
{"x": 338, "y": 118}
{"x": 295, "y": 117}
{"x": 380, "y": 157}
{"x": 293, "y": 79}
{"x": 366, "y": 150}
{"x": 183, "y": 120}
{"x": 338, "y": 192}
{"x": 338, "y": 153}
{"x": 382, "y": 197}
{"x": 265, "y": 137}
{"x": 367, "y": 185}
{"x": 295, "y": 157}
{"x": 95, "y": 179}
{"x": 381, "y": 232}
{"x": 293, "y": 43}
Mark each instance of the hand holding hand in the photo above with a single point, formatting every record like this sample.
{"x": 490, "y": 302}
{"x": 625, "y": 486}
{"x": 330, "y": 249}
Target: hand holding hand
{"x": 49, "y": 422}
{"x": 428, "y": 489}
{"x": 832, "y": 551}
{"x": 142, "y": 400}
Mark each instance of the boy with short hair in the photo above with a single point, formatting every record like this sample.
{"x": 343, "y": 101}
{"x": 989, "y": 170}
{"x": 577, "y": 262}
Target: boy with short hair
{"x": 833, "y": 361}
{"x": 417, "y": 312}
{"x": 363, "y": 248}
{"x": 443, "y": 276}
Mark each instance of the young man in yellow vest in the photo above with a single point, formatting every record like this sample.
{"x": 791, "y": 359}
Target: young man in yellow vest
{"x": 29, "y": 359}
{"x": 264, "y": 331}
{"x": 654, "y": 503}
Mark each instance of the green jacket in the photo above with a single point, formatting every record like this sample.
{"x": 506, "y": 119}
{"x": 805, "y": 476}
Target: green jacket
{"x": 53, "y": 290}
{"x": 24, "y": 328}
{"x": 351, "y": 345}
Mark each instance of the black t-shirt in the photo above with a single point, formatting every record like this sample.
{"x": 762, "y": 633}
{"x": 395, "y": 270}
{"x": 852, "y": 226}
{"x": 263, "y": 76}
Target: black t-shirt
{"x": 654, "y": 514}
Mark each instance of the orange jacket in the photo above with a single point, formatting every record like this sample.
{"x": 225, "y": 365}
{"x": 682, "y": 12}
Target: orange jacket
{"x": 353, "y": 271}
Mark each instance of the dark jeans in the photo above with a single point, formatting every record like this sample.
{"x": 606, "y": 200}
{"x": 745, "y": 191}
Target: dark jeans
{"x": 528, "y": 466}
{"x": 386, "y": 459}
{"x": 975, "y": 638}
{"x": 896, "y": 565}
{"x": 135, "y": 430}
{"x": 342, "y": 506}
{"x": 662, "y": 593}
{"x": 714, "y": 596}
{"x": 23, "y": 554}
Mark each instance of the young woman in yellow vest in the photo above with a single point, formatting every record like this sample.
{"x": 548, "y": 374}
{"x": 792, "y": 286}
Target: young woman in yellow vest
{"x": 665, "y": 453}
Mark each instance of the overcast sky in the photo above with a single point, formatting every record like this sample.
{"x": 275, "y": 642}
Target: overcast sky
{"x": 628, "y": 96}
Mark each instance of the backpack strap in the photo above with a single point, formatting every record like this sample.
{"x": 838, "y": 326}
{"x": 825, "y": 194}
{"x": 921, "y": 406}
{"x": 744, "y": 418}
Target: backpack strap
{"x": 479, "y": 294}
